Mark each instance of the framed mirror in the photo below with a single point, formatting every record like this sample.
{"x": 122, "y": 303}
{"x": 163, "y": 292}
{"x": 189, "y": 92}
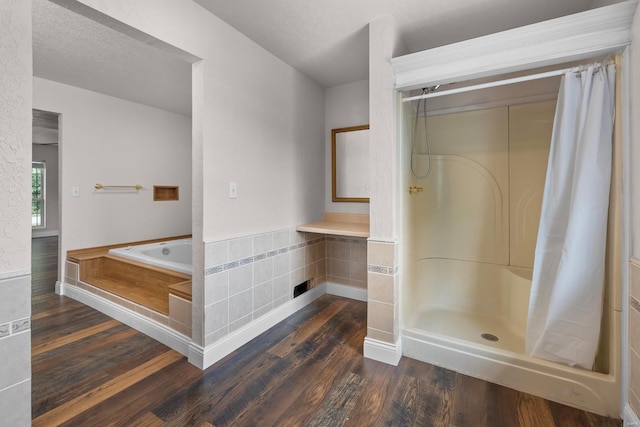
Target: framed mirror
{"x": 350, "y": 164}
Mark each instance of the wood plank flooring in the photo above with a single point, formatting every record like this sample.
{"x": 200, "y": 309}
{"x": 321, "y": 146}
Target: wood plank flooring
{"x": 90, "y": 370}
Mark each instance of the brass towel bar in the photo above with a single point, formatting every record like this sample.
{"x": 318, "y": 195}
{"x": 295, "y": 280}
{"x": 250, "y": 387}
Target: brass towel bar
{"x": 100, "y": 186}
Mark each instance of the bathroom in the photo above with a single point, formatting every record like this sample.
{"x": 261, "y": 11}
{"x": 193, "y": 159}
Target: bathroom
{"x": 250, "y": 230}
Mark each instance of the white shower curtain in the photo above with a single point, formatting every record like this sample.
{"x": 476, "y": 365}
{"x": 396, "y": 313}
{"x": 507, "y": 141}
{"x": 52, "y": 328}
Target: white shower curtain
{"x": 568, "y": 272}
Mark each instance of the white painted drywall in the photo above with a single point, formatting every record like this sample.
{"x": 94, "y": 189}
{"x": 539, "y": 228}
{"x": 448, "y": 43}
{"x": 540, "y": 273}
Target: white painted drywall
{"x": 635, "y": 136}
{"x": 628, "y": 381}
{"x": 111, "y": 141}
{"x": 15, "y": 221}
{"x": 268, "y": 138}
{"x": 49, "y": 154}
{"x": 256, "y": 122}
{"x": 345, "y": 105}
{"x": 15, "y": 139}
{"x": 384, "y": 44}
{"x": 262, "y": 124}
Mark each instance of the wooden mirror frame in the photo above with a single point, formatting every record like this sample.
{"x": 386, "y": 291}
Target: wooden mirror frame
{"x": 334, "y": 196}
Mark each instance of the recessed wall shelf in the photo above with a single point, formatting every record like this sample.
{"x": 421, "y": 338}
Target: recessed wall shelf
{"x": 163, "y": 193}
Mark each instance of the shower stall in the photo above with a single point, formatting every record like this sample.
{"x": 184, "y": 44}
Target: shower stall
{"x": 468, "y": 231}
{"x": 469, "y": 239}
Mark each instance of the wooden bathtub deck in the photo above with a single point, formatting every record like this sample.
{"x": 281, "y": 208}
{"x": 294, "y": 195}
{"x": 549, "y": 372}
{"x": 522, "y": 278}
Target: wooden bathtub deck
{"x": 135, "y": 281}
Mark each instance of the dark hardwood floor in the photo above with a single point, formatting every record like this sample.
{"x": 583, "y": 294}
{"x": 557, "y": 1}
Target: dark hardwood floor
{"x": 90, "y": 370}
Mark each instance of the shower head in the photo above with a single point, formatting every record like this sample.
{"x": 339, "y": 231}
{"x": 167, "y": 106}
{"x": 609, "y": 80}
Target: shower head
{"x": 430, "y": 89}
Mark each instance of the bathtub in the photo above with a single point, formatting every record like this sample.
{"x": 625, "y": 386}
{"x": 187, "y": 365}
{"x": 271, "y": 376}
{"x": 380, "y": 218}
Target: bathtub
{"x": 173, "y": 255}
{"x": 471, "y": 317}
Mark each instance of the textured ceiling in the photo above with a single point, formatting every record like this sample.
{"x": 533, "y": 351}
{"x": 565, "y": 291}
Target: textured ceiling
{"x": 328, "y": 40}
{"x": 71, "y": 49}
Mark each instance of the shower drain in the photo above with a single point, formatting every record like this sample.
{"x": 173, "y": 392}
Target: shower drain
{"x": 489, "y": 337}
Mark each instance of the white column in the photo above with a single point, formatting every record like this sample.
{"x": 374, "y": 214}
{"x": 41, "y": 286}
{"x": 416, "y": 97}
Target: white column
{"x": 15, "y": 223}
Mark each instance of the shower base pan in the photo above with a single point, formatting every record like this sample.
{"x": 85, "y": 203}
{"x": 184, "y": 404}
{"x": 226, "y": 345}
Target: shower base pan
{"x": 454, "y": 341}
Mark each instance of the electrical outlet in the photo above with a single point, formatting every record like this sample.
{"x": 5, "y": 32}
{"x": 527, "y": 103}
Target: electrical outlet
{"x": 233, "y": 190}
{"x": 75, "y": 191}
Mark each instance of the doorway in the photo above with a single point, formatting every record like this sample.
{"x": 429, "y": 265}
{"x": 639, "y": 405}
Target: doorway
{"x": 45, "y": 202}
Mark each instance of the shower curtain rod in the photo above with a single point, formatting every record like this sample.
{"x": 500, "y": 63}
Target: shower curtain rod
{"x": 500, "y": 82}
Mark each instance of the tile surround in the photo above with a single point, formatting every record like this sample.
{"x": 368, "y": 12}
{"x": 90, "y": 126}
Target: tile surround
{"x": 380, "y": 316}
{"x": 346, "y": 261}
{"x": 278, "y": 260}
{"x": 240, "y": 323}
{"x": 16, "y": 347}
{"x": 180, "y": 315}
{"x": 382, "y": 254}
{"x": 383, "y": 307}
{"x": 15, "y": 318}
{"x": 256, "y": 274}
{"x": 634, "y": 335}
{"x": 249, "y": 276}
{"x": 13, "y": 290}
{"x": 382, "y": 288}
{"x": 379, "y": 335}
{"x": 16, "y": 399}
{"x": 240, "y": 305}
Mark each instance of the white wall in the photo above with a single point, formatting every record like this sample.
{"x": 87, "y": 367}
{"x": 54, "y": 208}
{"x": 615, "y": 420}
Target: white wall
{"x": 116, "y": 142}
{"x": 384, "y": 43}
{"x": 268, "y": 138}
{"x": 15, "y": 221}
{"x": 634, "y": 380}
{"x": 256, "y": 122}
{"x": 48, "y": 154}
{"x": 345, "y": 105}
{"x": 635, "y": 136}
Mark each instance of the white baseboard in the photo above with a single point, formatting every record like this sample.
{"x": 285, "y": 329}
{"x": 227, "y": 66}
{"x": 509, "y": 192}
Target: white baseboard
{"x": 37, "y": 234}
{"x": 337, "y": 289}
{"x": 383, "y": 351}
{"x": 205, "y": 357}
{"x": 630, "y": 419}
{"x": 155, "y": 330}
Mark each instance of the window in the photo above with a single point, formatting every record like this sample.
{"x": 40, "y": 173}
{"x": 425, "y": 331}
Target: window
{"x": 37, "y": 194}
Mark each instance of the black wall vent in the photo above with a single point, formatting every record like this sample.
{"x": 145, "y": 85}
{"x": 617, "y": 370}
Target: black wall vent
{"x": 301, "y": 289}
